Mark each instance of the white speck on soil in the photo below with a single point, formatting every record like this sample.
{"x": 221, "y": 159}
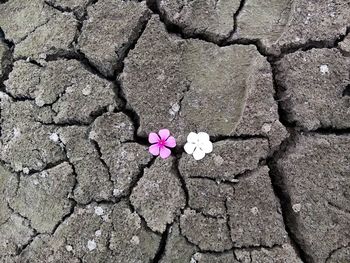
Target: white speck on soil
{"x": 69, "y": 89}
{"x": 234, "y": 180}
{"x": 54, "y": 137}
{"x": 16, "y": 132}
{"x": 42, "y": 56}
{"x": 111, "y": 108}
{"x": 116, "y": 192}
{"x": 324, "y": 69}
{"x": 91, "y": 245}
{"x": 43, "y": 174}
{"x": 18, "y": 166}
{"x": 174, "y": 109}
{"x": 4, "y": 96}
{"x": 135, "y": 240}
{"x": 39, "y": 101}
{"x": 25, "y": 170}
{"x": 98, "y": 233}
{"x": 87, "y": 90}
{"x": 99, "y": 211}
{"x": 92, "y": 135}
{"x": 197, "y": 256}
{"x": 296, "y": 208}
{"x": 266, "y": 128}
{"x": 69, "y": 248}
{"x": 254, "y": 210}
{"x": 105, "y": 218}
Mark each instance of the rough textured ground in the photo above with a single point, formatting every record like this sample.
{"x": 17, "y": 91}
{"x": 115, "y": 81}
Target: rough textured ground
{"x": 84, "y": 81}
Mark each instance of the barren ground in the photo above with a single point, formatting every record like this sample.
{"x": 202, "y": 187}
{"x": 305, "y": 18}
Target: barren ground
{"x": 82, "y": 84}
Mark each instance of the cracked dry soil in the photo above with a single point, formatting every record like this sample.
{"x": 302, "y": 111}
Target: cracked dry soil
{"x": 84, "y": 81}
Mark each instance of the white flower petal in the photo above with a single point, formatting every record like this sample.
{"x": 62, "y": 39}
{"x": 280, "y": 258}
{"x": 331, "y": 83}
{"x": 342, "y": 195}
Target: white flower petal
{"x": 192, "y": 137}
{"x": 203, "y": 137}
{"x": 206, "y": 147}
{"x": 198, "y": 154}
{"x": 189, "y": 147}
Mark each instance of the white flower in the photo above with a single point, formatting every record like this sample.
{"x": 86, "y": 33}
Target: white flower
{"x": 198, "y": 145}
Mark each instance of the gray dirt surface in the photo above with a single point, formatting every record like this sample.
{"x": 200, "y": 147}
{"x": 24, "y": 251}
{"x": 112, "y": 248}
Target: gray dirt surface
{"x": 83, "y": 83}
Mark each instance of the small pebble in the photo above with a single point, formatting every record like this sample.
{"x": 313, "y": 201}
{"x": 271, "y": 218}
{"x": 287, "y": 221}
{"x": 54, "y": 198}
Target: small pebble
{"x": 98, "y": 233}
{"x": 266, "y": 128}
{"x": 39, "y": 101}
{"x": 69, "y": 248}
{"x": 296, "y": 208}
{"x": 116, "y": 192}
{"x": 135, "y": 240}
{"x": 254, "y": 210}
{"x": 87, "y": 91}
{"x": 324, "y": 69}
{"x": 54, "y": 137}
{"x": 43, "y": 174}
{"x": 91, "y": 245}
{"x": 99, "y": 211}
{"x": 16, "y": 132}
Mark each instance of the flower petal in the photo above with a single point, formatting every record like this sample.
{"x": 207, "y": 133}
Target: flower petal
{"x": 170, "y": 142}
{"x": 192, "y": 137}
{"x": 189, "y": 147}
{"x": 153, "y": 137}
{"x": 164, "y": 152}
{"x": 206, "y": 146}
{"x": 198, "y": 154}
{"x": 203, "y": 137}
{"x": 164, "y": 134}
{"x": 154, "y": 149}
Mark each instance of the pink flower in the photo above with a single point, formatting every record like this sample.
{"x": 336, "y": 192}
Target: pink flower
{"x": 161, "y": 142}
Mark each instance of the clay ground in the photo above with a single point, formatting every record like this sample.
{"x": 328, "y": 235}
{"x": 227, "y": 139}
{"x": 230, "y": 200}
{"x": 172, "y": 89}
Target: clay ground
{"x": 82, "y": 84}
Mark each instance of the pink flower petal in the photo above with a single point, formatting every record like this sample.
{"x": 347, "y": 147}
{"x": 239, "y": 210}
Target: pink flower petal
{"x": 153, "y": 137}
{"x": 164, "y": 134}
{"x": 154, "y": 149}
{"x": 170, "y": 142}
{"x": 164, "y": 152}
